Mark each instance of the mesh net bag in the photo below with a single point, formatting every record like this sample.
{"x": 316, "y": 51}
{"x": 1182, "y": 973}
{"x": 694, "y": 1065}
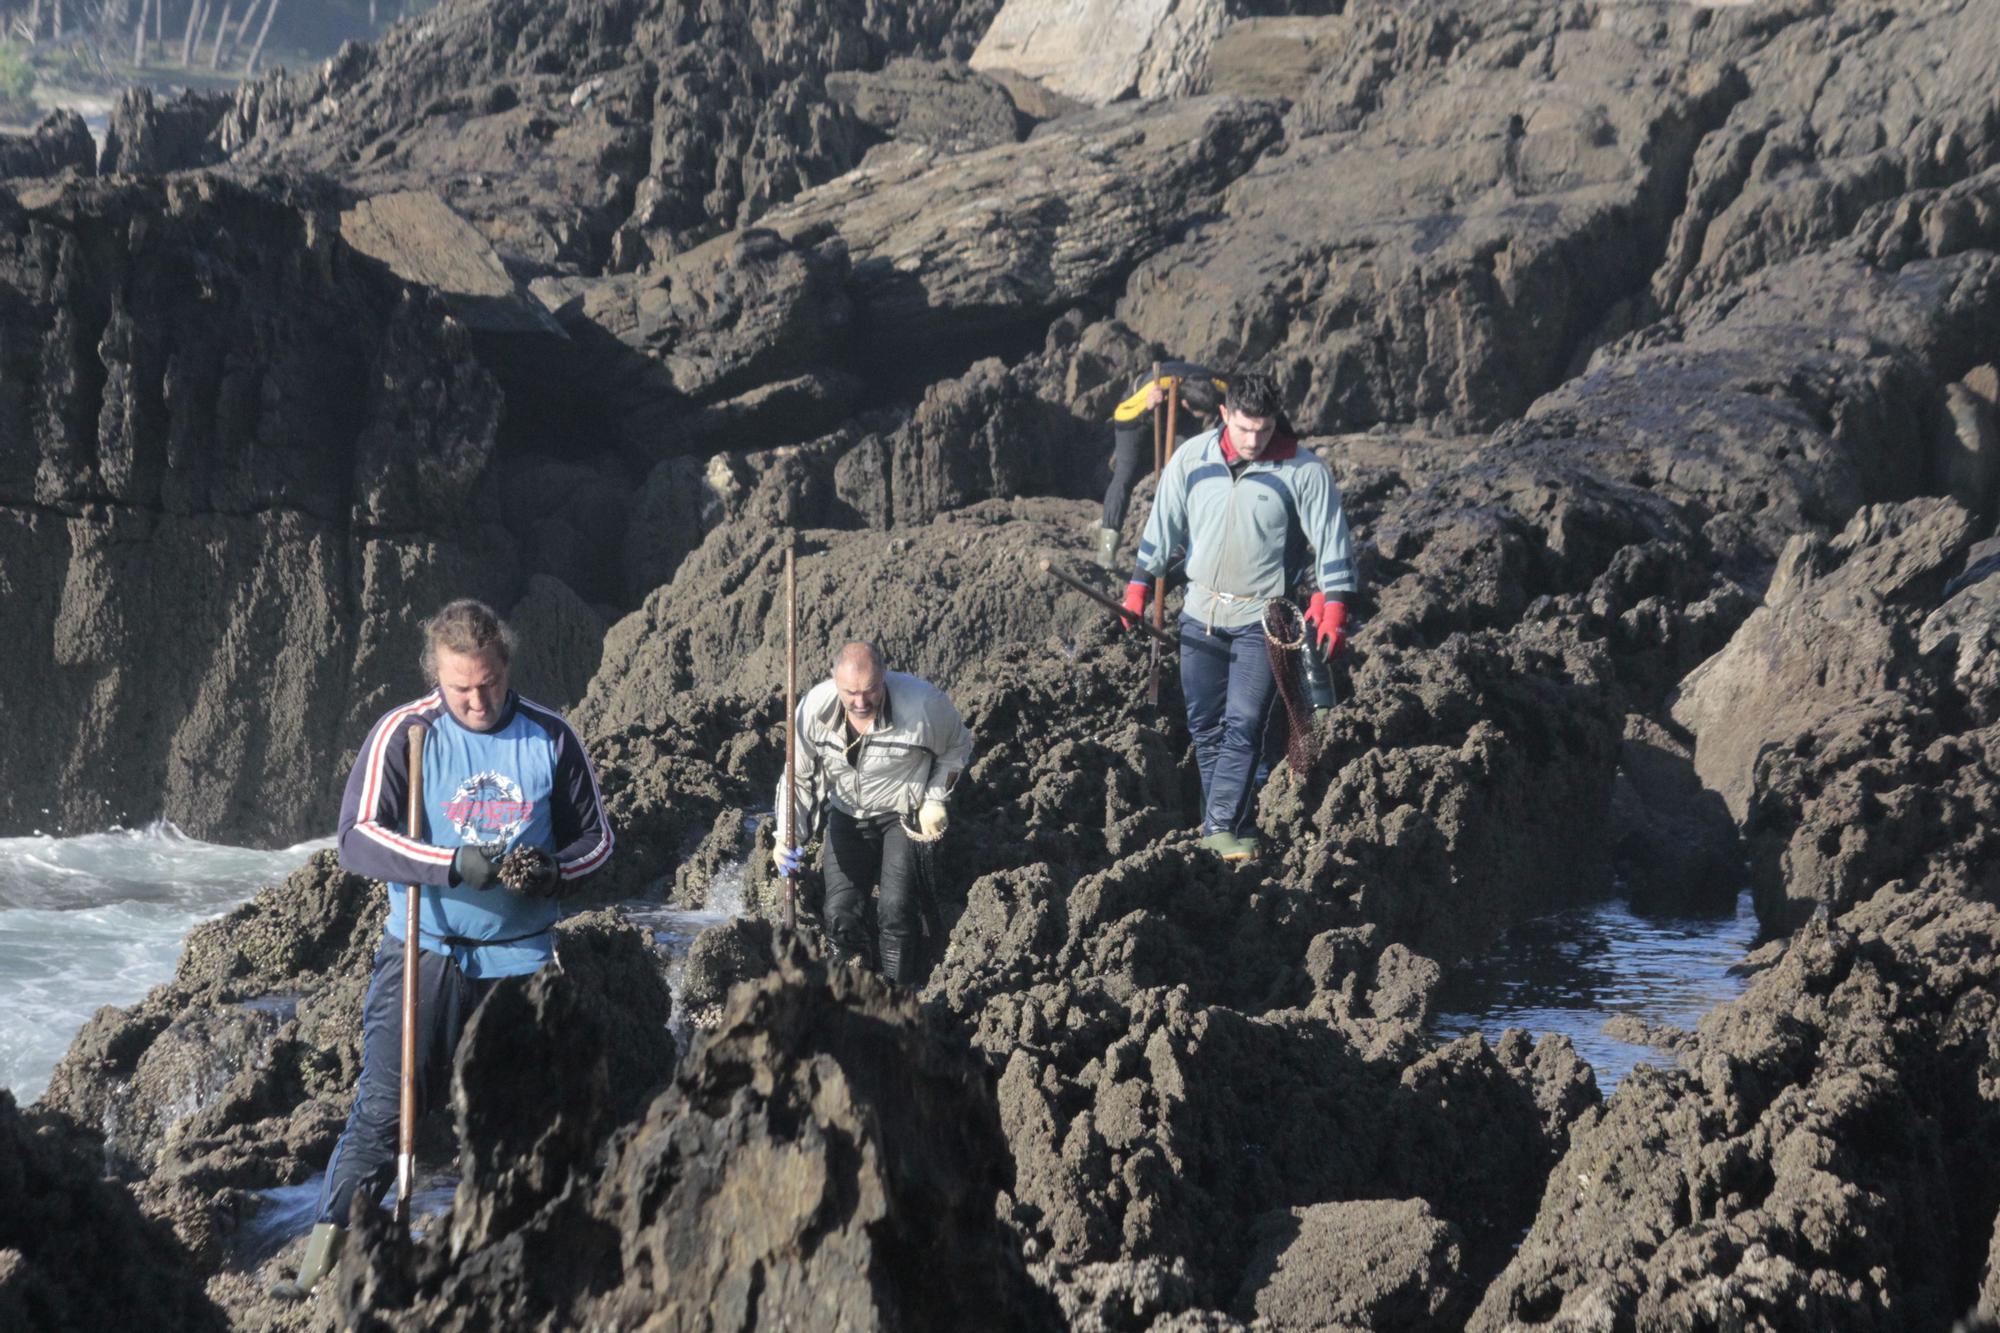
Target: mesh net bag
{"x": 1285, "y": 640}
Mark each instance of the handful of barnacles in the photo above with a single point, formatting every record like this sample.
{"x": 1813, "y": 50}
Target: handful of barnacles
{"x": 530, "y": 871}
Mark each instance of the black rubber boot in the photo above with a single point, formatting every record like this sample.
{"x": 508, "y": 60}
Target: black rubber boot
{"x": 1319, "y": 678}
{"x": 322, "y": 1251}
{"x": 902, "y": 959}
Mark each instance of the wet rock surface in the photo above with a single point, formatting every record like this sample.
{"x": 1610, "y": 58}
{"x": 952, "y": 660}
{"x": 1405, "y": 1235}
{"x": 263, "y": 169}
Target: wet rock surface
{"x": 1812, "y": 1160}
{"x": 75, "y": 1251}
{"x": 1652, "y": 346}
{"x": 824, "y": 1152}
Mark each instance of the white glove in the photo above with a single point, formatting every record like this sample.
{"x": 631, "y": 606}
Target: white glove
{"x": 931, "y": 819}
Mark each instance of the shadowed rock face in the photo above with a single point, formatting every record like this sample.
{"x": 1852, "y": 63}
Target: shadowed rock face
{"x": 75, "y": 1251}
{"x": 1837, "y": 720}
{"x": 235, "y": 466}
{"x": 824, "y": 1153}
{"x": 61, "y": 142}
{"x": 1837, "y": 120}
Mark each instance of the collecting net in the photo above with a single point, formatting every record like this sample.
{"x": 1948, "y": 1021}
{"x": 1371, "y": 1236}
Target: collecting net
{"x": 1285, "y": 639}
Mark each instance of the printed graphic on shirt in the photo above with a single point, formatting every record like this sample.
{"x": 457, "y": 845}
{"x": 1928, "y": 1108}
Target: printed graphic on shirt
{"x": 488, "y": 809}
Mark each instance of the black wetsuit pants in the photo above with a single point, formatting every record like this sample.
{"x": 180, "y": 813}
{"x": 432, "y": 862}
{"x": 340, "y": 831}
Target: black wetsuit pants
{"x": 1131, "y": 449}
{"x": 364, "y": 1157}
{"x": 872, "y": 852}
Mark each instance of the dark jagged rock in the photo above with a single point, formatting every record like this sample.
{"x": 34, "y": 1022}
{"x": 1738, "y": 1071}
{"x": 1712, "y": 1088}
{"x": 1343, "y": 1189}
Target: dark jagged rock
{"x": 1816, "y": 1160}
{"x": 735, "y": 951}
{"x": 1447, "y": 791}
{"x": 1365, "y": 1265}
{"x": 550, "y": 1065}
{"x": 1819, "y": 139}
{"x": 1857, "y": 742}
{"x": 774, "y": 333}
{"x": 1673, "y": 839}
{"x": 674, "y": 767}
{"x": 1446, "y": 247}
{"x": 233, "y": 449}
{"x": 942, "y": 105}
{"x": 926, "y": 598}
{"x": 149, "y": 136}
{"x": 60, "y": 143}
{"x": 994, "y": 432}
{"x": 1034, "y": 226}
{"x": 682, "y": 353}
{"x": 1833, "y": 641}
{"x": 1156, "y": 1128}
{"x": 587, "y": 135}
{"x": 824, "y": 1153}
{"x": 75, "y": 1252}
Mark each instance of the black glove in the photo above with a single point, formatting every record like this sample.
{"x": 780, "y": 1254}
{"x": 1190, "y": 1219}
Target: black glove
{"x": 472, "y": 867}
{"x": 530, "y": 871}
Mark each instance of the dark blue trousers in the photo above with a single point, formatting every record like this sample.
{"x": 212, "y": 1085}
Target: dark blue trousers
{"x": 364, "y": 1158}
{"x": 1226, "y": 680}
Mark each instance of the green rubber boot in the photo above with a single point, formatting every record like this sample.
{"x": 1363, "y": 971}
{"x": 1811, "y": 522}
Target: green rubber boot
{"x": 1107, "y": 549}
{"x": 1227, "y": 846}
{"x": 322, "y": 1250}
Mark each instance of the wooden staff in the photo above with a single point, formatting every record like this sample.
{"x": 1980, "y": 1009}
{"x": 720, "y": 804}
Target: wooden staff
{"x": 791, "y": 713}
{"x": 1159, "y": 636}
{"x": 1159, "y": 584}
{"x": 1159, "y": 472}
{"x": 406, "y": 1151}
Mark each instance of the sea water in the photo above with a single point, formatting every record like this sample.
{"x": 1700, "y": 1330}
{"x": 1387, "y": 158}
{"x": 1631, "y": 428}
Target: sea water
{"x": 98, "y": 920}
{"x": 1570, "y": 972}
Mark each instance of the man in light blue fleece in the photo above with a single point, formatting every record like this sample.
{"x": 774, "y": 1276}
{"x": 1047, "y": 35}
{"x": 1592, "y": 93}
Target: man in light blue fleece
{"x": 1238, "y": 500}
{"x": 501, "y": 775}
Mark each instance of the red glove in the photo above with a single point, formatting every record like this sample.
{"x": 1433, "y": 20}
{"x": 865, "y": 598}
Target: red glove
{"x": 1136, "y": 593}
{"x": 1328, "y": 618}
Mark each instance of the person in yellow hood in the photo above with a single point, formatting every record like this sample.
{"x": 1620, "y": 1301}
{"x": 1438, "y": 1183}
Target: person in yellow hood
{"x": 1201, "y": 391}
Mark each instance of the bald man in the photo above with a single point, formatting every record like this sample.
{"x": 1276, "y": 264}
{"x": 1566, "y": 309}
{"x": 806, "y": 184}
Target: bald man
{"x": 874, "y": 747}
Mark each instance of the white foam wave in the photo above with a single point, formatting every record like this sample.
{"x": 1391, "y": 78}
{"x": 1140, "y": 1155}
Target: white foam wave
{"x": 98, "y": 920}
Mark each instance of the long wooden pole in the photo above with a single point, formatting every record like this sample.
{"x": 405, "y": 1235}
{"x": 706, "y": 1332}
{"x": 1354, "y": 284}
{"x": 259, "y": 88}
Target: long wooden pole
{"x": 1159, "y": 636}
{"x": 1159, "y": 584}
{"x": 791, "y": 713}
{"x": 406, "y": 1151}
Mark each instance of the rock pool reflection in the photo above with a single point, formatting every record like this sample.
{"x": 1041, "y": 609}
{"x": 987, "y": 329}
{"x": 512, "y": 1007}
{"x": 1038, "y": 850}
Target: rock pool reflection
{"x": 1572, "y": 971}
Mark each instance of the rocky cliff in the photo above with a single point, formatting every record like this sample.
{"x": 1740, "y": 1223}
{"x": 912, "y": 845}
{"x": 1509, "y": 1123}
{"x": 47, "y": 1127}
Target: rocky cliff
{"x": 1652, "y": 345}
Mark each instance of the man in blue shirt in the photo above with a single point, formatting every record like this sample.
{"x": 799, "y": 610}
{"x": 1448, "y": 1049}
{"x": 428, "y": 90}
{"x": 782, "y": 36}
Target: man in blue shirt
{"x": 501, "y": 776}
{"x": 1241, "y": 501}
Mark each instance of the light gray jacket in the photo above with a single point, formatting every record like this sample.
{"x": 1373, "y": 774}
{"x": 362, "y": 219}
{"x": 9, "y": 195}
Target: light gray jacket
{"x": 916, "y": 751}
{"x": 1237, "y": 528}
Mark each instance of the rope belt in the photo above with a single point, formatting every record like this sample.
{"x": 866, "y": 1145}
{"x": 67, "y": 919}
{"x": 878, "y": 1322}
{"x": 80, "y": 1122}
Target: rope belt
{"x": 467, "y": 942}
{"x": 1223, "y": 597}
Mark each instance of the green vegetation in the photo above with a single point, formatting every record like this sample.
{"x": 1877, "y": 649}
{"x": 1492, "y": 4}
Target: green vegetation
{"x": 17, "y": 83}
